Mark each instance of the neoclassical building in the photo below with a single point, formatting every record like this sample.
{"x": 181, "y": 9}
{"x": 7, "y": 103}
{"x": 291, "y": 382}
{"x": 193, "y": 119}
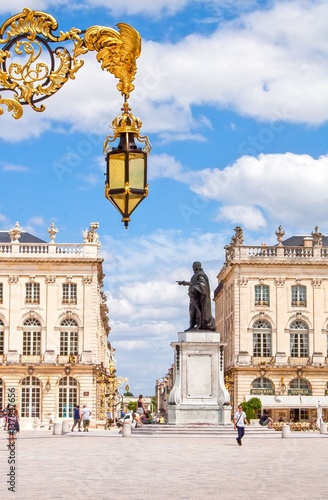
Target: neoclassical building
{"x": 271, "y": 309}
{"x": 53, "y": 325}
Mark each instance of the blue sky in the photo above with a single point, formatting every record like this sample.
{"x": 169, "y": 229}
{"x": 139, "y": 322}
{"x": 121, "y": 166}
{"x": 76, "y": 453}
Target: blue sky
{"x": 233, "y": 95}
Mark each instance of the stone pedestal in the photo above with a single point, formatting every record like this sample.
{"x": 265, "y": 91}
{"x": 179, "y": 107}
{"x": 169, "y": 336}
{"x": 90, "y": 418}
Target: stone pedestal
{"x": 285, "y": 432}
{"x": 126, "y": 429}
{"x": 57, "y": 428}
{"x": 66, "y": 426}
{"x": 199, "y": 395}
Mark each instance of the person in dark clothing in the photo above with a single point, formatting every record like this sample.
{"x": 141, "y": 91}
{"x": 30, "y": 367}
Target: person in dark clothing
{"x": 12, "y": 426}
{"x": 140, "y": 405}
{"x": 77, "y": 418}
{"x": 266, "y": 420}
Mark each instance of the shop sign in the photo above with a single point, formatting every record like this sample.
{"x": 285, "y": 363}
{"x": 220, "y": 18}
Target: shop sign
{"x": 267, "y": 392}
{"x": 300, "y": 392}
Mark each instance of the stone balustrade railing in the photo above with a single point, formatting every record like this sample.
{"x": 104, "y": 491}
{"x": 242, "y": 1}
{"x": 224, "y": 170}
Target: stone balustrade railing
{"x": 46, "y": 250}
{"x": 277, "y": 252}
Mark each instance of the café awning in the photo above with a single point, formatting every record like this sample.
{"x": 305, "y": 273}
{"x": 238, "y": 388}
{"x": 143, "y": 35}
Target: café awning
{"x": 290, "y": 401}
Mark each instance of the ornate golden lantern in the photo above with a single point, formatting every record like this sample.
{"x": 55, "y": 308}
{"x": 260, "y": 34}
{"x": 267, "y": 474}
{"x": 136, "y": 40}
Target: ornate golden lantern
{"x": 30, "y": 34}
{"x": 126, "y": 164}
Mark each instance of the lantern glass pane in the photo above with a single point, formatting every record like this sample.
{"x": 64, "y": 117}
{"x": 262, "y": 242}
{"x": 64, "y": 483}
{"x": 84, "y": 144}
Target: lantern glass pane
{"x": 116, "y": 170}
{"x": 119, "y": 200}
{"x": 137, "y": 170}
{"x": 133, "y": 201}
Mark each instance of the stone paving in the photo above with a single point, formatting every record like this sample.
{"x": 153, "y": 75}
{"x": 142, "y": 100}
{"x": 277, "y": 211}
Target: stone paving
{"x": 106, "y": 466}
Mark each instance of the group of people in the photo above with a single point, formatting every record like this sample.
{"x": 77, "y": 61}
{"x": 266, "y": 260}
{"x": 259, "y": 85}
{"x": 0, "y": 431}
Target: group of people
{"x": 144, "y": 416}
{"x": 83, "y": 416}
{"x": 240, "y": 420}
{"x": 9, "y": 421}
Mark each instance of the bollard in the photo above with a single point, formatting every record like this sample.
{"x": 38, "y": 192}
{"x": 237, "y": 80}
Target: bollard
{"x": 323, "y": 428}
{"x": 57, "y": 429}
{"x": 66, "y": 427}
{"x": 285, "y": 432}
{"x": 126, "y": 429}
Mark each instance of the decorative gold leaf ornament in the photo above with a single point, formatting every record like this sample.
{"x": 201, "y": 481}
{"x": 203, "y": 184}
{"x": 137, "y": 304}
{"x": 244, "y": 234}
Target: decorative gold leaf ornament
{"x": 26, "y": 37}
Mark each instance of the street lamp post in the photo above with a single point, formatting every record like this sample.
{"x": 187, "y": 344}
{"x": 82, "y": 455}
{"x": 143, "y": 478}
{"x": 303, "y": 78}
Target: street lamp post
{"x": 29, "y": 80}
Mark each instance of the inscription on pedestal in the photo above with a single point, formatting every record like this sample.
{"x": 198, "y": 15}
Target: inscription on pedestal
{"x": 199, "y": 376}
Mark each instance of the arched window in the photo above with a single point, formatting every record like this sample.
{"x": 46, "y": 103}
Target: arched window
{"x": 67, "y": 397}
{"x": 262, "y": 339}
{"x": 69, "y": 337}
{"x": 299, "y": 339}
{"x": 30, "y": 401}
{"x": 2, "y": 337}
{"x": 31, "y": 337}
{"x": 300, "y": 386}
{"x": 262, "y": 385}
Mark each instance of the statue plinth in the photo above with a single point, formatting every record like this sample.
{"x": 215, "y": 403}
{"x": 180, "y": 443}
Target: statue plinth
{"x": 199, "y": 394}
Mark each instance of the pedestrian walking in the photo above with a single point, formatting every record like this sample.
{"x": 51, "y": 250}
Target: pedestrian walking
{"x": 12, "y": 426}
{"x": 85, "y": 415}
{"x": 239, "y": 422}
{"x": 109, "y": 419}
{"x": 51, "y": 421}
{"x": 77, "y": 418}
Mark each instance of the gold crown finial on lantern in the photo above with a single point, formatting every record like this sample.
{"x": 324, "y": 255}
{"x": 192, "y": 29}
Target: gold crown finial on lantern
{"x": 126, "y": 122}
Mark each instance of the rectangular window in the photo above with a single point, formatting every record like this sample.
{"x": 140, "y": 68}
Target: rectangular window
{"x": 69, "y": 293}
{"x": 31, "y": 343}
{"x": 299, "y": 296}
{"x": 32, "y": 295}
{"x": 1, "y": 293}
{"x": 299, "y": 345}
{"x": 262, "y": 344}
{"x": 262, "y": 295}
{"x": 68, "y": 343}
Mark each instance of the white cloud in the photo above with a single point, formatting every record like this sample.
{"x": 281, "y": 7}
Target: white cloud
{"x": 130, "y": 7}
{"x": 11, "y": 167}
{"x": 164, "y": 165}
{"x": 277, "y": 185}
{"x": 248, "y": 217}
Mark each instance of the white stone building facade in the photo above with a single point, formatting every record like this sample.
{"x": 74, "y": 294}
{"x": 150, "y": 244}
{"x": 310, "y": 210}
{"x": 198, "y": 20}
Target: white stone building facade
{"x": 53, "y": 325}
{"x": 271, "y": 309}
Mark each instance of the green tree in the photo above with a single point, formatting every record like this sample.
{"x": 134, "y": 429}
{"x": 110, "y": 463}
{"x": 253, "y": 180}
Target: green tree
{"x": 250, "y": 407}
{"x": 153, "y": 404}
{"x": 128, "y": 394}
{"x": 132, "y": 406}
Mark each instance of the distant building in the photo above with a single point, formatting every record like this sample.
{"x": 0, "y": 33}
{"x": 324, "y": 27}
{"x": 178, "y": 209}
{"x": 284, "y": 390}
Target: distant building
{"x": 271, "y": 309}
{"x": 53, "y": 325}
{"x": 163, "y": 388}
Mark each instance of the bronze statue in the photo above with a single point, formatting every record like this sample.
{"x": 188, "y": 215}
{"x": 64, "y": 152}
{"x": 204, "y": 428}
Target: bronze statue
{"x": 200, "y": 300}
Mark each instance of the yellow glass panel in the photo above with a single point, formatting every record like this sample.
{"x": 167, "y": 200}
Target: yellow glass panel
{"x": 137, "y": 170}
{"x": 119, "y": 200}
{"x": 116, "y": 171}
{"x": 133, "y": 202}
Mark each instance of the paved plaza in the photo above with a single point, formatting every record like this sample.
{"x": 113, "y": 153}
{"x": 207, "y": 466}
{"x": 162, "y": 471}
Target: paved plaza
{"x": 105, "y": 465}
